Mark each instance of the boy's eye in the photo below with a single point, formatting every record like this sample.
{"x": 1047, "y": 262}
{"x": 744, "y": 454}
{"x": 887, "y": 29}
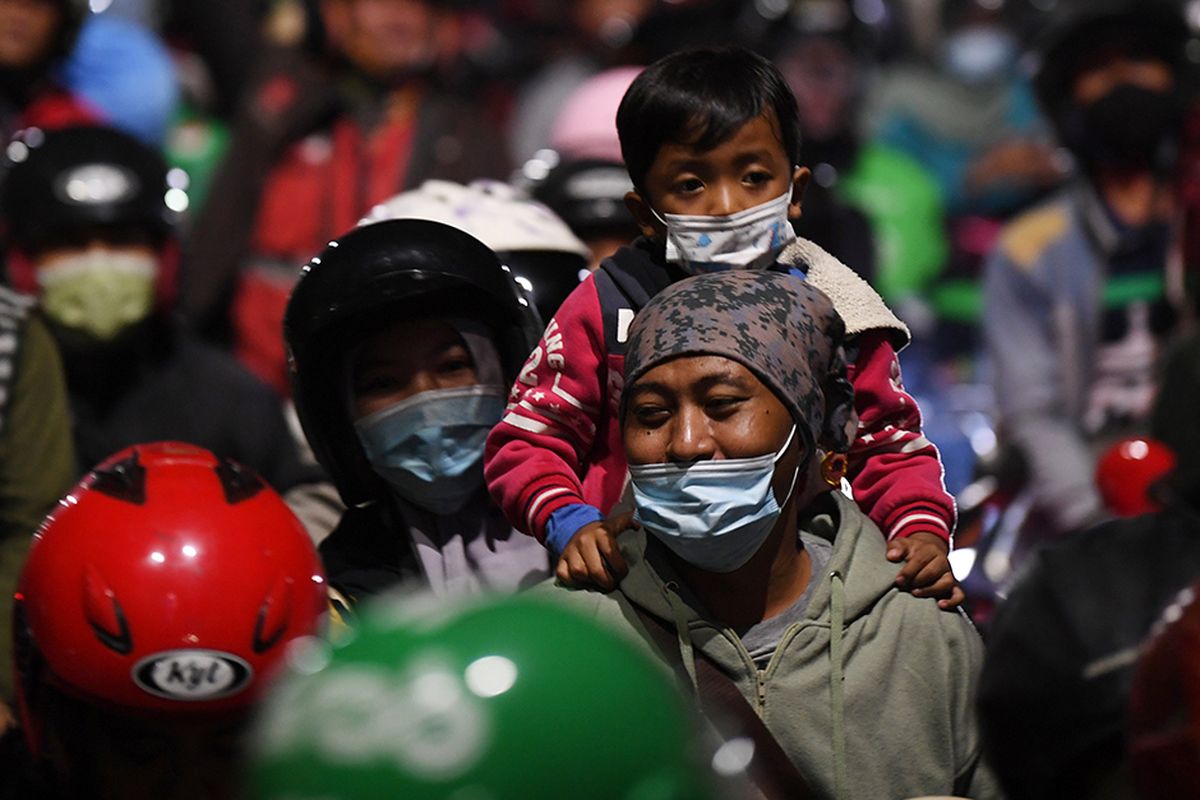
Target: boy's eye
{"x": 757, "y": 177}
{"x": 688, "y": 186}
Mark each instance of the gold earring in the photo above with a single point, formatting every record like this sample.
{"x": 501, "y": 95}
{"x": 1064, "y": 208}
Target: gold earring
{"x": 833, "y": 468}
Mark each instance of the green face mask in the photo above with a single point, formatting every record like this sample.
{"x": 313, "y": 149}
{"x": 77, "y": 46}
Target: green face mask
{"x": 98, "y": 292}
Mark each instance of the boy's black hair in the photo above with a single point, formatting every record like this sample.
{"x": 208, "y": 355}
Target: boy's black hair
{"x": 701, "y": 97}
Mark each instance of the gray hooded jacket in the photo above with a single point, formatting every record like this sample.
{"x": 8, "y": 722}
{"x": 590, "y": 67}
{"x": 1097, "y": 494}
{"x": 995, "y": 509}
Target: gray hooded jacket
{"x": 872, "y": 693}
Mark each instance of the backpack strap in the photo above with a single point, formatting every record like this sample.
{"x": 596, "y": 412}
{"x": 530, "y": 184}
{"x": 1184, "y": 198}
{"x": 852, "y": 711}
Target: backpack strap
{"x": 774, "y": 774}
{"x": 625, "y": 282}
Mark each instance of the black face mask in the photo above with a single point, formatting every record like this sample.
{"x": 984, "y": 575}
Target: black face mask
{"x": 1128, "y": 128}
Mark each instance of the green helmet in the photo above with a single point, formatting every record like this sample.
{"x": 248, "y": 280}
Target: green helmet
{"x": 489, "y": 700}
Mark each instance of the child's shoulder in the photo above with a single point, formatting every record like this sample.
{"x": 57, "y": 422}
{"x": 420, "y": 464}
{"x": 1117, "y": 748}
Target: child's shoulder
{"x": 860, "y": 306}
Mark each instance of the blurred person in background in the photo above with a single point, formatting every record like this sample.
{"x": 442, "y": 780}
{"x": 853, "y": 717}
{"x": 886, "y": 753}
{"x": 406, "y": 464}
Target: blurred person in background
{"x": 403, "y": 337}
{"x": 967, "y": 114}
{"x": 1164, "y": 717}
{"x": 158, "y": 600}
{"x": 319, "y": 141}
{"x": 1062, "y": 646}
{"x": 37, "y": 455}
{"x": 1077, "y": 303}
{"x": 35, "y": 36}
{"x": 90, "y": 217}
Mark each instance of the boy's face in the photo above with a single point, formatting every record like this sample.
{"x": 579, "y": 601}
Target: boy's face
{"x": 746, "y": 170}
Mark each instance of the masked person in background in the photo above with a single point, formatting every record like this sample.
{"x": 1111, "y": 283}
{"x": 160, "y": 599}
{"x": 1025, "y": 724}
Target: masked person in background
{"x": 403, "y": 336}
{"x": 157, "y": 601}
{"x": 1077, "y": 305}
{"x": 735, "y": 415}
{"x": 90, "y": 215}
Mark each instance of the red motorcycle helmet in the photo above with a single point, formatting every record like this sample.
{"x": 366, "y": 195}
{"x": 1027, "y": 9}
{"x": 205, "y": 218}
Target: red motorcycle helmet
{"x": 1164, "y": 705}
{"x": 1128, "y": 471}
{"x": 168, "y": 581}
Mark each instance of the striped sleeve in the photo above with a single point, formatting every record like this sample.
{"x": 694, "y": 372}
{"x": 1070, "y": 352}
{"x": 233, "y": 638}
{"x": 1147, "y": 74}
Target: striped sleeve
{"x": 895, "y": 472}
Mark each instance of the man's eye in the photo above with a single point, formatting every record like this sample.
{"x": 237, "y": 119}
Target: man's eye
{"x": 723, "y": 405}
{"x": 650, "y": 415}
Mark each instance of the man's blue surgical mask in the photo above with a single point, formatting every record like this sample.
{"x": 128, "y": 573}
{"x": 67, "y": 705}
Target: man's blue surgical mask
{"x": 747, "y": 239}
{"x": 429, "y": 448}
{"x": 714, "y": 515}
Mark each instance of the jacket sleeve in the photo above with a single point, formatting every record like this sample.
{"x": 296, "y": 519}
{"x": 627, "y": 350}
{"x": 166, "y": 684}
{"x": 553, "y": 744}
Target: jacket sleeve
{"x": 973, "y": 776}
{"x": 895, "y": 472}
{"x": 1031, "y": 395}
{"x": 535, "y": 457}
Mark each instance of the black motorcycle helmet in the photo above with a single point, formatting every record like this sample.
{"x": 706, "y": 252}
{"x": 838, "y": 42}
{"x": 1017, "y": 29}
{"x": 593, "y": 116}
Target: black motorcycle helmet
{"x": 60, "y": 182}
{"x": 64, "y": 187}
{"x": 373, "y": 276}
{"x": 1078, "y": 29}
{"x": 589, "y": 195}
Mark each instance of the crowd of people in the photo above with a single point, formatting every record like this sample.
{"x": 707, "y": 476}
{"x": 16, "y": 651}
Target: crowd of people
{"x": 649, "y": 399}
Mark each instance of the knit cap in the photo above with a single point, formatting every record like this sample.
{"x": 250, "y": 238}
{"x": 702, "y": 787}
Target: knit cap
{"x": 778, "y": 326}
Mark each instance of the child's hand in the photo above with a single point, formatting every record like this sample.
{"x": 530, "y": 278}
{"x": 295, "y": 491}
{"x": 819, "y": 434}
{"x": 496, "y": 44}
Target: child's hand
{"x": 591, "y": 558}
{"x": 926, "y": 571}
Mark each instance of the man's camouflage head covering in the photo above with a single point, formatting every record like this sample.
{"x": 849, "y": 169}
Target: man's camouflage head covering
{"x": 778, "y": 326}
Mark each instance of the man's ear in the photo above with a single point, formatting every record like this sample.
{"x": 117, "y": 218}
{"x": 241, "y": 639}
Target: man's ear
{"x": 800, "y": 178}
{"x": 647, "y": 223}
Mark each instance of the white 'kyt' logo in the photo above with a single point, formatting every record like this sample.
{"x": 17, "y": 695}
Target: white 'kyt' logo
{"x": 192, "y": 674}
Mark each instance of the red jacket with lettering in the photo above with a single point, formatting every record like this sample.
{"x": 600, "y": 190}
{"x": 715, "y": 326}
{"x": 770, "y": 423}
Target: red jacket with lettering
{"x": 559, "y": 442}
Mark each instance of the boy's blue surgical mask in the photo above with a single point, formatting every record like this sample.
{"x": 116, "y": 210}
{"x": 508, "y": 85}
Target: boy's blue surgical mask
{"x": 429, "y": 448}
{"x": 715, "y": 515}
{"x": 749, "y": 239}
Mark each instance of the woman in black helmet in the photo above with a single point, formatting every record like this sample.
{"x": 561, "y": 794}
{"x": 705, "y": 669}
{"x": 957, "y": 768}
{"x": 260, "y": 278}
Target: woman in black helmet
{"x": 403, "y": 337}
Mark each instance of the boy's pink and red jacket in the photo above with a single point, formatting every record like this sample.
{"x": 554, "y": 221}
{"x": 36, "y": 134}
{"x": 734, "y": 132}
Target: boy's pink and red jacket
{"x": 559, "y": 443}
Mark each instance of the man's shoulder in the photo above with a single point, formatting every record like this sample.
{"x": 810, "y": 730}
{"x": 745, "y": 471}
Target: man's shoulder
{"x": 1027, "y": 238}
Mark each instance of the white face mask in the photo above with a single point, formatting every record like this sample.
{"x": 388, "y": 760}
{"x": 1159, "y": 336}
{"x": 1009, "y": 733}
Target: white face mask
{"x": 100, "y": 292}
{"x": 749, "y": 239}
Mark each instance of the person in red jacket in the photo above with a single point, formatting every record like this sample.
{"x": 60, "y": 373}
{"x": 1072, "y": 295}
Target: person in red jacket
{"x": 320, "y": 141}
{"x": 710, "y": 139}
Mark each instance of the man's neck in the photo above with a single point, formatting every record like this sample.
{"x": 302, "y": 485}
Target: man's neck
{"x": 765, "y": 586}
{"x": 1135, "y": 198}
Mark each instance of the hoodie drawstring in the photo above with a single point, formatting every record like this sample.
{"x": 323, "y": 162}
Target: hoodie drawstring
{"x": 836, "y": 688}
{"x": 680, "y": 612}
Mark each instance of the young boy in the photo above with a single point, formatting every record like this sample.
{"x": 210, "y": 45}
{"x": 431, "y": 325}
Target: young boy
{"x": 710, "y": 139}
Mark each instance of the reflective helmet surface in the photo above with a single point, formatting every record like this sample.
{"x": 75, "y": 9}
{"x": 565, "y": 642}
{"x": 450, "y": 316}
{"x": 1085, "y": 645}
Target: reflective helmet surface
{"x": 1127, "y": 473}
{"x": 66, "y": 185}
{"x": 542, "y": 251}
{"x": 375, "y": 275}
{"x": 501, "y": 698}
{"x": 83, "y": 177}
{"x": 167, "y": 581}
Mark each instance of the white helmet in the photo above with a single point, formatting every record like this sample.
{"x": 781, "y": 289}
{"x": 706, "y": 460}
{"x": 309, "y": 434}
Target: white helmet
{"x": 545, "y": 257}
{"x": 491, "y": 211}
